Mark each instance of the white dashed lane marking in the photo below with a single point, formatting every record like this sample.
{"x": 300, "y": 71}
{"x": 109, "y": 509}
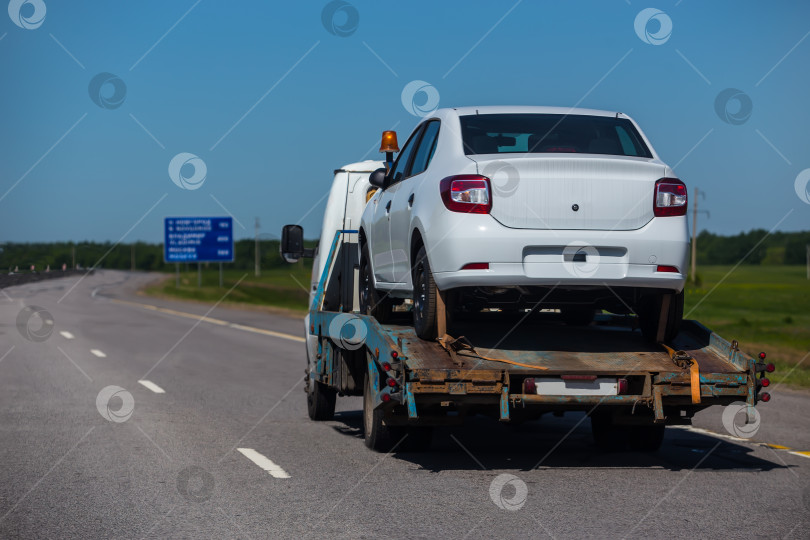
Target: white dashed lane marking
{"x": 274, "y": 470}
{"x": 98, "y": 353}
{"x": 66, "y": 335}
{"x": 152, "y": 386}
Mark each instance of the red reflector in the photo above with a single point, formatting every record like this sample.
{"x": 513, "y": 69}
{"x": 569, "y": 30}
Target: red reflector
{"x": 770, "y": 368}
{"x": 392, "y": 383}
{"x": 622, "y": 386}
{"x": 766, "y": 397}
{"x": 762, "y": 356}
{"x": 663, "y": 268}
{"x": 476, "y": 266}
{"x": 386, "y": 366}
{"x": 386, "y": 398}
{"x": 578, "y": 377}
{"x": 394, "y": 354}
{"x": 765, "y": 382}
{"x": 529, "y": 386}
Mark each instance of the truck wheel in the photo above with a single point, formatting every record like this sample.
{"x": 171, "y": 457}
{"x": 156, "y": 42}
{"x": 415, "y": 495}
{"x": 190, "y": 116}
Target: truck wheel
{"x": 650, "y": 312}
{"x": 577, "y": 316}
{"x": 607, "y": 436}
{"x": 424, "y": 297}
{"x": 645, "y": 438}
{"x": 377, "y": 435}
{"x": 320, "y": 400}
{"x": 371, "y": 302}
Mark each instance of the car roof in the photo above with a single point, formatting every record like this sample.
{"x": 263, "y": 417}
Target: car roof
{"x": 516, "y": 109}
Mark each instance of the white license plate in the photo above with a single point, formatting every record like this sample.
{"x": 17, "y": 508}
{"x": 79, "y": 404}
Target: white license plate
{"x": 554, "y": 386}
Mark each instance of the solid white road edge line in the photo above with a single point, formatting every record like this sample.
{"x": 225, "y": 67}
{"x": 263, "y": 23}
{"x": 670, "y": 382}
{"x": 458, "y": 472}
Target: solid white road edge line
{"x": 212, "y": 320}
{"x": 152, "y": 386}
{"x": 98, "y": 353}
{"x": 274, "y": 470}
{"x": 66, "y": 335}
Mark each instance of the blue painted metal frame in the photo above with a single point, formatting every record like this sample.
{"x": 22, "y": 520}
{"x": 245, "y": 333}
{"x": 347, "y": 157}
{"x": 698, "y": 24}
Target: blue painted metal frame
{"x": 378, "y": 342}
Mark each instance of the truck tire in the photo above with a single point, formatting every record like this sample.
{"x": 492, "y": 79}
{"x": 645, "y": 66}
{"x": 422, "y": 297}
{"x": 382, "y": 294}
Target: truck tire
{"x": 371, "y": 301}
{"x": 377, "y": 435}
{"x": 606, "y": 435}
{"x": 424, "y": 297}
{"x": 383, "y": 438}
{"x": 320, "y": 401}
{"x": 649, "y": 314}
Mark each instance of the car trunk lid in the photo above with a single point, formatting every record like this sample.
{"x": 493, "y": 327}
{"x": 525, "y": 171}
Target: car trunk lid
{"x": 571, "y": 192}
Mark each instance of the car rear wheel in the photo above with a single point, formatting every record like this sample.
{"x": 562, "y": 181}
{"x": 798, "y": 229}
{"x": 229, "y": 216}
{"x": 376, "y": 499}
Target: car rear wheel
{"x": 424, "y": 298}
{"x": 650, "y": 314}
{"x": 371, "y": 301}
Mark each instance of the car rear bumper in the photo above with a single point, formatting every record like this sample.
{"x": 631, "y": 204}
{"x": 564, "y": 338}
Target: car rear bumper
{"x": 562, "y": 258}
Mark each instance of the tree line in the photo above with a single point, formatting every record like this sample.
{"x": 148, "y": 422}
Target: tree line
{"x": 753, "y": 247}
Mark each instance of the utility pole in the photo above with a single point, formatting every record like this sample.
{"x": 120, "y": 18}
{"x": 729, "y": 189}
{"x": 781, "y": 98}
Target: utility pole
{"x": 257, "y": 270}
{"x": 694, "y": 236}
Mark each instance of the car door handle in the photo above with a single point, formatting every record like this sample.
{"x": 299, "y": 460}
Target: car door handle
{"x": 388, "y": 207}
{"x": 410, "y": 200}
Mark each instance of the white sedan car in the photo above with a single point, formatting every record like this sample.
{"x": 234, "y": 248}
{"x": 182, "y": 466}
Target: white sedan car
{"x": 527, "y": 207}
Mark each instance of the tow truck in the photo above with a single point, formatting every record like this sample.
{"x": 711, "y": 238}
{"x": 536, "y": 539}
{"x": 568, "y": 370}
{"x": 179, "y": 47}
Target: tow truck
{"x": 513, "y": 367}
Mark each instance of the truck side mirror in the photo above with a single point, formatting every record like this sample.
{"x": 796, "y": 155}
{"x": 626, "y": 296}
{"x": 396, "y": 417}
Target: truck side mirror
{"x": 377, "y": 178}
{"x": 292, "y": 243}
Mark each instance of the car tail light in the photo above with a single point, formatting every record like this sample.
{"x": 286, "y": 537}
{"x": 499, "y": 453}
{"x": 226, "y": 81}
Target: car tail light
{"x": 622, "y": 387}
{"x": 766, "y": 397}
{"x": 670, "y": 198}
{"x": 529, "y": 386}
{"x": 770, "y": 368}
{"x": 476, "y": 266}
{"x": 663, "y": 268}
{"x": 469, "y": 193}
{"x": 765, "y": 381}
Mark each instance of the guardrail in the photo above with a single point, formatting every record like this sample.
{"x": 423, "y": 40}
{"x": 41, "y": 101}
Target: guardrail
{"x": 9, "y": 280}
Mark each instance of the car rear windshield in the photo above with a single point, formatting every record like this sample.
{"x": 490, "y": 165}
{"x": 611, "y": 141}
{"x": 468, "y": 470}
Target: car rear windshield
{"x": 550, "y": 133}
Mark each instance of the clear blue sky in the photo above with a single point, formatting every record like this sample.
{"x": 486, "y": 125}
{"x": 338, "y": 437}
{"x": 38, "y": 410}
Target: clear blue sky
{"x": 219, "y": 60}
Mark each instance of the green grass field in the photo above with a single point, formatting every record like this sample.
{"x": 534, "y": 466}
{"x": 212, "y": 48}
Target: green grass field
{"x": 765, "y": 308}
{"x": 283, "y": 288}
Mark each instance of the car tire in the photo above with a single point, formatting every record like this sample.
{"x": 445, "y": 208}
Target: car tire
{"x": 371, "y": 301}
{"x": 650, "y": 312}
{"x": 424, "y": 297}
{"x": 577, "y": 316}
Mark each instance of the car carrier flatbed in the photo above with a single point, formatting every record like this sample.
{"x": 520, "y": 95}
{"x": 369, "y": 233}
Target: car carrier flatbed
{"x": 512, "y": 367}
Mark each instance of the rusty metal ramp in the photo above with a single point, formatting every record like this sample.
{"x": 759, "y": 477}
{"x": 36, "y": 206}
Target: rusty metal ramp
{"x": 609, "y": 346}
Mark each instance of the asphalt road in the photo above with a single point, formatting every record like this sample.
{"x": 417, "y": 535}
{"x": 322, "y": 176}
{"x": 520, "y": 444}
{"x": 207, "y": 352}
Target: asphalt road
{"x": 75, "y": 464}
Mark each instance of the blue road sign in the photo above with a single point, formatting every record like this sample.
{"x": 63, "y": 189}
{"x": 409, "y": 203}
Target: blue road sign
{"x": 198, "y": 239}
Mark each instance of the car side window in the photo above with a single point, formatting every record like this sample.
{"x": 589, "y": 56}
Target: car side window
{"x": 401, "y": 167}
{"x": 427, "y": 146}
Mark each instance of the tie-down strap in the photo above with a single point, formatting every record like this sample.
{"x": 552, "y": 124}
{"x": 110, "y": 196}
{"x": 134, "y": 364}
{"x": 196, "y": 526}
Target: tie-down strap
{"x": 461, "y": 346}
{"x": 684, "y": 361}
